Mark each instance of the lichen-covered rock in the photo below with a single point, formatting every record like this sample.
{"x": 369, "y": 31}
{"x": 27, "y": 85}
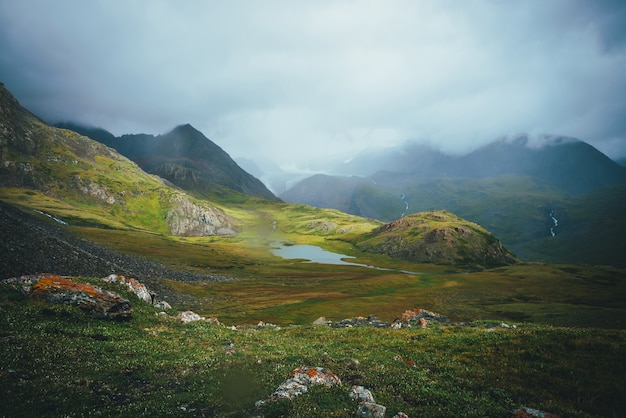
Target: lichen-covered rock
{"x": 95, "y": 302}
{"x": 409, "y": 318}
{"x": 299, "y": 382}
{"x": 361, "y": 394}
{"x": 371, "y": 410}
{"x": 163, "y": 305}
{"x": 361, "y": 321}
{"x": 189, "y": 316}
{"x": 423, "y": 317}
{"x": 320, "y": 321}
{"x": 133, "y": 285}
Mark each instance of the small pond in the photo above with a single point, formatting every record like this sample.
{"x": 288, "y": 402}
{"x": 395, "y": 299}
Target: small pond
{"x": 315, "y": 254}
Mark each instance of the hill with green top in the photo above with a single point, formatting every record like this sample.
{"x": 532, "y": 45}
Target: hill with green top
{"x": 438, "y": 237}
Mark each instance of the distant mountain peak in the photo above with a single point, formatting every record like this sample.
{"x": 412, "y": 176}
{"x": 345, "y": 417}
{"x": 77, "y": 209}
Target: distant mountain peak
{"x": 186, "y": 128}
{"x": 185, "y": 157}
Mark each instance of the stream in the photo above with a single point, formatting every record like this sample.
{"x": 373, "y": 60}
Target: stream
{"x": 406, "y": 205}
{"x": 555, "y": 223}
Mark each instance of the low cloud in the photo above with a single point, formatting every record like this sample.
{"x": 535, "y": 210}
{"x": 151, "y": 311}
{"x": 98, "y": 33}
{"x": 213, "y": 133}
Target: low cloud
{"x": 304, "y": 81}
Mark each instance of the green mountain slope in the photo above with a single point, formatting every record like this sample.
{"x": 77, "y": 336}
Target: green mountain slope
{"x": 185, "y": 157}
{"x": 42, "y": 166}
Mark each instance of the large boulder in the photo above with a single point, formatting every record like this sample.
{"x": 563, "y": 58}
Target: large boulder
{"x": 133, "y": 285}
{"x": 94, "y": 301}
{"x": 190, "y": 218}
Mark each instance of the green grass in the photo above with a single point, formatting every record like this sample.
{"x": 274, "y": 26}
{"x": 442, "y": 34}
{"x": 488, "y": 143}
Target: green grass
{"x": 54, "y": 361}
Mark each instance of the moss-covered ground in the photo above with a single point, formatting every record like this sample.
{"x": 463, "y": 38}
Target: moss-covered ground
{"x": 55, "y": 361}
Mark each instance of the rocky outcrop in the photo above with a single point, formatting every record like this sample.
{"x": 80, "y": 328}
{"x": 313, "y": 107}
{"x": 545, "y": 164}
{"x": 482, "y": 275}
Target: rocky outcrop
{"x": 190, "y": 316}
{"x": 299, "y": 382}
{"x": 192, "y": 219}
{"x": 94, "y": 301}
{"x": 360, "y": 321}
{"x": 371, "y": 410}
{"x": 361, "y": 394}
{"x": 133, "y": 285}
{"x": 416, "y": 317}
{"x": 422, "y": 317}
{"x": 302, "y": 378}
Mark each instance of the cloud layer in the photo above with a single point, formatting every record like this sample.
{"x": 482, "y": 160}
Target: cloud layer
{"x": 302, "y": 81}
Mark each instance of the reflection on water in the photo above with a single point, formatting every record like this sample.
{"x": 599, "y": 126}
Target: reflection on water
{"x": 315, "y": 254}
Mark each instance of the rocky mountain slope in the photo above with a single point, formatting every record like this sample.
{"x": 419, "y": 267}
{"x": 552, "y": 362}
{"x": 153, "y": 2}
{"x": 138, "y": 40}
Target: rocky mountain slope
{"x": 185, "y": 157}
{"x": 80, "y": 172}
{"x": 438, "y": 237}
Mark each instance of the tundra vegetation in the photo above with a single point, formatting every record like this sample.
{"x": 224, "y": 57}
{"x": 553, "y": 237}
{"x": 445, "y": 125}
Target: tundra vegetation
{"x": 564, "y": 355}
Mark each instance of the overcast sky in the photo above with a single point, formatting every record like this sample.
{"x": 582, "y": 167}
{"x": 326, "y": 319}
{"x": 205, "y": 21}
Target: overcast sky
{"x": 298, "y": 80}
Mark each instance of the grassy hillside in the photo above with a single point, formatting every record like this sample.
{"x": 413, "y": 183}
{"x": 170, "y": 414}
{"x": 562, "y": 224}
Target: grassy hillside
{"x": 437, "y": 237}
{"x": 55, "y": 361}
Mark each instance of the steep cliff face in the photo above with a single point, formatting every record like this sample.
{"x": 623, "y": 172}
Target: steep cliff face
{"x": 190, "y": 219}
{"x": 438, "y": 237}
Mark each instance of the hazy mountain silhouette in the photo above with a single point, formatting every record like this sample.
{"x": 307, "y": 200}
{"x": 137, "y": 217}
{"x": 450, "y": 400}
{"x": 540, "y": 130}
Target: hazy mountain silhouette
{"x": 567, "y": 163}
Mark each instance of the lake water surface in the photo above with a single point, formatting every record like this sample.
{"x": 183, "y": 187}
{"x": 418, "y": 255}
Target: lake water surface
{"x": 311, "y": 253}
{"x": 315, "y": 254}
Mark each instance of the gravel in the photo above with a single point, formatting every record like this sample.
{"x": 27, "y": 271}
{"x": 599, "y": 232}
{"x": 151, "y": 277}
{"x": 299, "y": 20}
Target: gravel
{"x": 35, "y": 243}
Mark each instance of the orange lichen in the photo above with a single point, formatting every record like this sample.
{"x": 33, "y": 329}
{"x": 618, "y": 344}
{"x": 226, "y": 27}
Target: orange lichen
{"x": 95, "y": 301}
{"x": 316, "y": 375}
{"x": 47, "y": 283}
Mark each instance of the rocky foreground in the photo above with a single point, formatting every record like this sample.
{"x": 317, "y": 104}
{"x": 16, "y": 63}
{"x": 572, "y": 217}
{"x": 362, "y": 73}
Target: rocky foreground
{"x": 34, "y": 243}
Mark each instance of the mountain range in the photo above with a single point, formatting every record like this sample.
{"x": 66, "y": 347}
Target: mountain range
{"x": 551, "y": 198}
{"x": 548, "y": 198}
{"x": 71, "y": 177}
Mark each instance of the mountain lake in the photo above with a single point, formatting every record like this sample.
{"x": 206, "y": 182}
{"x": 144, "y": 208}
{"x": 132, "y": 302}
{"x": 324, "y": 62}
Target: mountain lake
{"x": 315, "y": 254}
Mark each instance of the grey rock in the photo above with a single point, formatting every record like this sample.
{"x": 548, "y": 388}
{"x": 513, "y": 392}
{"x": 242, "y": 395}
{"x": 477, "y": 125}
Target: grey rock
{"x": 371, "y": 410}
{"x": 361, "y": 394}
